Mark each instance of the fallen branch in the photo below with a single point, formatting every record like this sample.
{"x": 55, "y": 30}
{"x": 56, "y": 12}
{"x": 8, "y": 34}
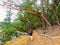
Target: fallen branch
{"x": 49, "y": 36}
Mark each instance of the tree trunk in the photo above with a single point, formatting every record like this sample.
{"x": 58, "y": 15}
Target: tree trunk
{"x": 55, "y": 13}
{"x": 42, "y": 14}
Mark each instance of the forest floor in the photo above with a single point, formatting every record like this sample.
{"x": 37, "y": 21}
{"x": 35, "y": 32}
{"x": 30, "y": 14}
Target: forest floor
{"x": 38, "y": 39}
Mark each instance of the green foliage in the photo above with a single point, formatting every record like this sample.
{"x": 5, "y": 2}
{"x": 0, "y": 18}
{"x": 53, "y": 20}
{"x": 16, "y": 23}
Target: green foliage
{"x": 8, "y": 30}
{"x": 25, "y": 20}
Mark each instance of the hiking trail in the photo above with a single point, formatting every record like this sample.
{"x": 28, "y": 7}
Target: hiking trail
{"x": 37, "y": 40}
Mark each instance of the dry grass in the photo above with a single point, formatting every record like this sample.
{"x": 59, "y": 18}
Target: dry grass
{"x": 19, "y": 41}
{"x": 43, "y": 40}
{"x": 38, "y": 39}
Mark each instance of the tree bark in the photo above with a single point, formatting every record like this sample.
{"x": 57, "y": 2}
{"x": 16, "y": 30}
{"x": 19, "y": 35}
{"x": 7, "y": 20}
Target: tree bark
{"x": 42, "y": 14}
{"x": 55, "y": 13}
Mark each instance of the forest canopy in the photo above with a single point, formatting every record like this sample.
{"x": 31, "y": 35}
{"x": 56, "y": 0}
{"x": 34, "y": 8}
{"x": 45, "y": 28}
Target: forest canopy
{"x": 31, "y": 14}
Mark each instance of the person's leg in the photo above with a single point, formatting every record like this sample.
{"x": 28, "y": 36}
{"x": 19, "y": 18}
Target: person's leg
{"x": 31, "y": 37}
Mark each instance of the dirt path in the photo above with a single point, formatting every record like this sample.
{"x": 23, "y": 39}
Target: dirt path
{"x": 43, "y": 40}
{"x": 38, "y": 40}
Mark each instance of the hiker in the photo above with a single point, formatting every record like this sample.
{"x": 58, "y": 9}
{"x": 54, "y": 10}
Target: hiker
{"x": 30, "y": 33}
